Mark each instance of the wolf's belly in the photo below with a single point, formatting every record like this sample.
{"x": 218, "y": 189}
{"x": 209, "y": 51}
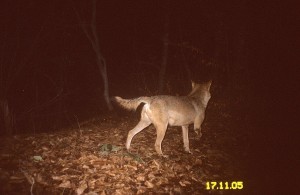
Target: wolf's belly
{"x": 180, "y": 119}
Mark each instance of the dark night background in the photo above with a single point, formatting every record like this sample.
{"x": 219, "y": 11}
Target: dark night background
{"x": 46, "y": 54}
{"x": 50, "y": 79}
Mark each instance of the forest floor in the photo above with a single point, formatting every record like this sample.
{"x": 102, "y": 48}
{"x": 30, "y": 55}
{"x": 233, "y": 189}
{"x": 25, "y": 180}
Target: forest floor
{"x": 92, "y": 159}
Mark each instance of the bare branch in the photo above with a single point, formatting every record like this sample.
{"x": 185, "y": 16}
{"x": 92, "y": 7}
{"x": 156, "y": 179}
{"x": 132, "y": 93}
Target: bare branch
{"x": 94, "y": 40}
{"x": 81, "y": 23}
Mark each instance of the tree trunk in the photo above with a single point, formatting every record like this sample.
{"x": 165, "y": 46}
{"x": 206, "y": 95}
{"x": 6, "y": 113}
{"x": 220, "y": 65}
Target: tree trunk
{"x": 7, "y": 117}
{"x": 102, "y": 67}
{"x": 94, "y": 40}
{"x": 164, "y": 62}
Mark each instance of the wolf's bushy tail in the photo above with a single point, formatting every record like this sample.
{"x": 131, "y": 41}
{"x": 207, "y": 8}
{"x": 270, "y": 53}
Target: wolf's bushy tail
{"x": 130, "y": 104}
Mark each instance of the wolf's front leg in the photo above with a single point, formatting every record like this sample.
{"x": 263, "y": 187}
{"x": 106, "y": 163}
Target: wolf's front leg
{"x": 139, "y": 127}
{"x": 197, "y": 124}
{"x": 185, "y": 135}
{"x": 161, "y": 130}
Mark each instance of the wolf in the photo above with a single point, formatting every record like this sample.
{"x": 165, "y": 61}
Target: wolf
{"x": 164, "y": 110}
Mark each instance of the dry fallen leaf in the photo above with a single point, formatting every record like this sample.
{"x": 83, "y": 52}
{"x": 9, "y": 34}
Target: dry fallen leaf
{"x": 81, "y": 188}
{"x": 149, "y": 184}
{"x": 65, "y": 184}
{"x": 141, "y": 178}
{"x": 181, "y": 183}
{"x": 72, "y": 161}
{"x": 40, "y": 179}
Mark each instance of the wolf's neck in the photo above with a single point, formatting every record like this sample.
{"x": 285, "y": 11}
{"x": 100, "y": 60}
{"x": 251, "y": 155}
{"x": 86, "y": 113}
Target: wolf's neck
{"x": 201, "y": 98}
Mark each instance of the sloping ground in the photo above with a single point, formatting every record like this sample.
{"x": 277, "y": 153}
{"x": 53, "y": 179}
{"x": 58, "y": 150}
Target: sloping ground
{"x": 92, "y": 160}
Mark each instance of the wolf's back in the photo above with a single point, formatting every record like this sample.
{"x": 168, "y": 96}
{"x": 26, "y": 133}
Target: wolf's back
{"x": 130, "y": 104}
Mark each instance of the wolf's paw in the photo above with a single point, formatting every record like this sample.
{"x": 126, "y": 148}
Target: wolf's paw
{"x": 187, "y": 151}
{"x": 128, "y": 149}
{"x": 200, "y": 135}
{"x": 164, "y": 156}
{"x": 198, "y": 132}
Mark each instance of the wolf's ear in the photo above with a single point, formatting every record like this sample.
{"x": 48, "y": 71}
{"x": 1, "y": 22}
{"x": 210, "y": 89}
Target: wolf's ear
{"x": 209, "y": 84}
{"x": 193, "y": 84}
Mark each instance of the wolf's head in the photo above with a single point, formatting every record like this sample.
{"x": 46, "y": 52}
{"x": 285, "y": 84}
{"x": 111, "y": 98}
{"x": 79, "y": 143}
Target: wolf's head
{"x": 201, "y": 91}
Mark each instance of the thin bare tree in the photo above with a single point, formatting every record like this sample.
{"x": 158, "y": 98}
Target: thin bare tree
{"x": 164, "y": 61}
{"x": 10, "y": 70}
{"x": 92, "y": 36}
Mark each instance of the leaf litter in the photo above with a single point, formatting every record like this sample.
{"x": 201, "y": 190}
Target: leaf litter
{"x": 93, "y": 160}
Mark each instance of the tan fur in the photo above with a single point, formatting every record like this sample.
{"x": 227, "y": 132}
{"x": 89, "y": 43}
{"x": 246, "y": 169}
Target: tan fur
{"x": 163, "y": 110}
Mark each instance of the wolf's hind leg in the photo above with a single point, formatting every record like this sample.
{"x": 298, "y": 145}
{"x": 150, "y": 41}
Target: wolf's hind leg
{"x": 185, "y": 135}
{"x": 143, "y": 123}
